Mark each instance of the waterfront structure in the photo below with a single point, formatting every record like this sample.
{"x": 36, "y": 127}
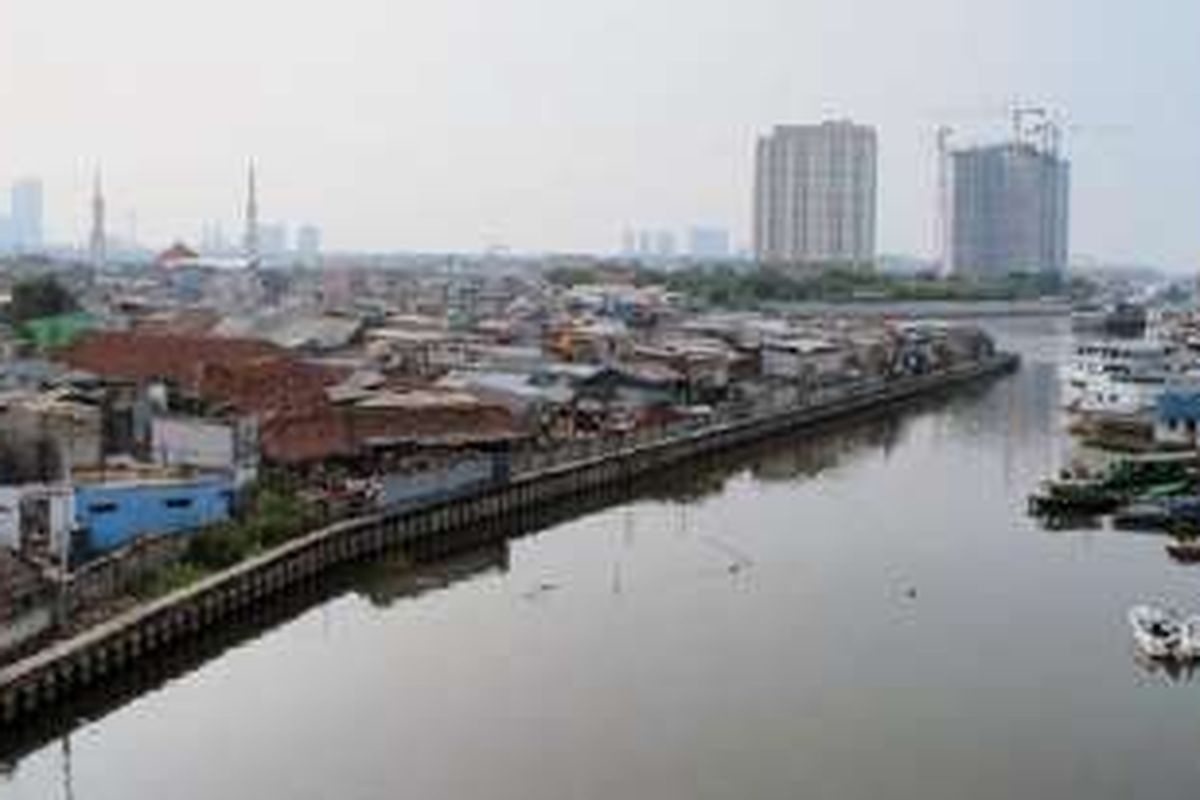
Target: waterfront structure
{"x": 27, "y": 214}
{"x": 1006, "y": 210}
{"x": 815, "y": 194}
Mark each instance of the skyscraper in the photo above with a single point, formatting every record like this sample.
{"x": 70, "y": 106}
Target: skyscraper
{"x": 27, "y": 215}
{"x": 1007, "y": 210}
{"x": 814, "y": 194}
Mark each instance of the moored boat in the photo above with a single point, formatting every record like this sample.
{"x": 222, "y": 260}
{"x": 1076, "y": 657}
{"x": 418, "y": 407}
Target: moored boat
{"x": 1156, "y": 632}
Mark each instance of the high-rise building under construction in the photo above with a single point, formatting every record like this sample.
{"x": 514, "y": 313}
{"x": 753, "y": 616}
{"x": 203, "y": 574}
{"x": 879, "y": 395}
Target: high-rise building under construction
{"x": 1006, "y": 209}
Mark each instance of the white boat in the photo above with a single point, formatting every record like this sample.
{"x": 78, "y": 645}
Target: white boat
{"x": 1124, "y": 378}
{"x": 1157, "y": 633}
{"x": 1189, "y": 645}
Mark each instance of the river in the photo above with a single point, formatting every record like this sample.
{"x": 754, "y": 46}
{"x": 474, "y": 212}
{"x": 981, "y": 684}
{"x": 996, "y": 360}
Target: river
{"x": 861, "y": 613}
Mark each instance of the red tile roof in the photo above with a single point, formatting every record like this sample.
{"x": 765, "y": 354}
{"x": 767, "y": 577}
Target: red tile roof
{"x": 296, "y": 420}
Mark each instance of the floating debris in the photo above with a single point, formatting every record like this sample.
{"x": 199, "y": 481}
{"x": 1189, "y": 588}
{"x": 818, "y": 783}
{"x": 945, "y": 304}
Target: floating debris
{"x": 542, "y": 588}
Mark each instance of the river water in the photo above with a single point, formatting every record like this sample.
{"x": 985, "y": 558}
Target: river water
{"x": 861, "y": 613}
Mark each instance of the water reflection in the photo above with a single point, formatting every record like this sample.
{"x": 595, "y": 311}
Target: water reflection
{"x": 1167, "y": 671}
{"x": 396, "y": 577}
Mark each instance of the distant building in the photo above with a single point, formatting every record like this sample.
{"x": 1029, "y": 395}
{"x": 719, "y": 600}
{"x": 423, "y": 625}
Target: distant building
{"x": 664, "y": 244}
{"x": 272, "y": 239}
{"x": 706, "y": 242}
{"x": 213, "y": 240}
{"x": 308, "y": 244}
{"x": 645, "y": 243}
{"x": 628, "y": 242}
{"x": 814, "y": 194}
{"x": 1007, "y": 210}
{"x": 27, "y": 214}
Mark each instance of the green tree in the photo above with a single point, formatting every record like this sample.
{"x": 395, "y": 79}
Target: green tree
{"x": 40, "y": 297}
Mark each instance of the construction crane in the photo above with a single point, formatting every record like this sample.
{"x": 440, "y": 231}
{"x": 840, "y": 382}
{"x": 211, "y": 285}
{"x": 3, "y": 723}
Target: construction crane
{"x": 1020, "y": 114}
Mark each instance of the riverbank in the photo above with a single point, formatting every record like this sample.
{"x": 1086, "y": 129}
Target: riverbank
{"x": 931, "y": 309}
{"x": 50, "y": 676}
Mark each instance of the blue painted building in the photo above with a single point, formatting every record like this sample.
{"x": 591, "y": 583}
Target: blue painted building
{"x": 110, "y": 515}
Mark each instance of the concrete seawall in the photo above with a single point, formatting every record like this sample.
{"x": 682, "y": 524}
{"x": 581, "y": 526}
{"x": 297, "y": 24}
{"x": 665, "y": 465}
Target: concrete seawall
{"x": 96, "y": 655}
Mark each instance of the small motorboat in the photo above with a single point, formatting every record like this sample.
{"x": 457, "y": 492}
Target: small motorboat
{"x": 1157, "y": 633}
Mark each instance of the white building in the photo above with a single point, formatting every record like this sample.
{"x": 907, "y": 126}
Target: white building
{"x": 814, "y": 194}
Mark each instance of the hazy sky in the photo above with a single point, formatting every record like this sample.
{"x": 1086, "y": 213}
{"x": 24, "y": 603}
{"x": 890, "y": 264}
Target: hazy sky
{"x": 553, "y": 124}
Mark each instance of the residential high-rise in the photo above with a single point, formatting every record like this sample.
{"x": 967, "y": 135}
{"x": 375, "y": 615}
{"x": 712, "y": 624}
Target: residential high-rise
{"x": 814, "y": 194}
{"x": 27, "y": 214}
{"x": 1007, "y": 210}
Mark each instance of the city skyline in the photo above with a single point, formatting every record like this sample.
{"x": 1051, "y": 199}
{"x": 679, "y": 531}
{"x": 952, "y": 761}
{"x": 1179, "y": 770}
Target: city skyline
{"x": 464, "y": 126}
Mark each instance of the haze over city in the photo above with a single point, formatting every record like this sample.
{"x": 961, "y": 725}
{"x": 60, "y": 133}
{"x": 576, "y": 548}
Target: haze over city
{"x": 552, "y": 125}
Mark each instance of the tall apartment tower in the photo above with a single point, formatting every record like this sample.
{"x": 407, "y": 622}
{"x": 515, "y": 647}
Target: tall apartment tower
{"x": 814, "y": 194}
{"x": 1007, "y": 209}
